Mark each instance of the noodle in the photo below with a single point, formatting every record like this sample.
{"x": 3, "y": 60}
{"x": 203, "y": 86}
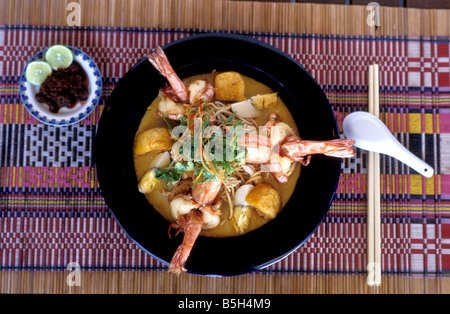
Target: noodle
{"x": 255, "y": 178}
{"x": 219, "y": 105}
{"x": 238, "y": 172}
{"x": 219, "y": 114}
{"x": 249, "y": 121}
{"x": 230, "y": 203}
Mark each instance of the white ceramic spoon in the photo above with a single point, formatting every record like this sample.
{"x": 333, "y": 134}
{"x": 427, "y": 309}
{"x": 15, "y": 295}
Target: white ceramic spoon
{"x": 371, "y": 134}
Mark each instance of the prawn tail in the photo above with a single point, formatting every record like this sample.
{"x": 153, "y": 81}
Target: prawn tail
{"x": 159, "y": 60}
{"x": 340, "y": 148}
{"x": 191, "y": 227}
{"x": 177, "y": 91}
{"x": 178, "y": 261}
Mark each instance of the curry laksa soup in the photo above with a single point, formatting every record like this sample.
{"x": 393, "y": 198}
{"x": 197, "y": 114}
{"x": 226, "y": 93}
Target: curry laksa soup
{"x": 231, "y": 183}
{"x": 218, "y": 154}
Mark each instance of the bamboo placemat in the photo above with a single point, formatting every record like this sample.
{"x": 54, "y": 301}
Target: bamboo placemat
{"x": 251, "y": 17}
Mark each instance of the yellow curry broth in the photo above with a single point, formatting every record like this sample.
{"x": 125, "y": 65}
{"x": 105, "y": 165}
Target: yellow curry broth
{"x": 158, "y": 198}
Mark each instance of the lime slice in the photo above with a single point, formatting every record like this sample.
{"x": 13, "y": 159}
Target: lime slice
{"x": 37, "y": 72}
{"x": 59, "y": 57}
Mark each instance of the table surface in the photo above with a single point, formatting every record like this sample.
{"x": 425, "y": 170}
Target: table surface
{"x": 228, "y": 16}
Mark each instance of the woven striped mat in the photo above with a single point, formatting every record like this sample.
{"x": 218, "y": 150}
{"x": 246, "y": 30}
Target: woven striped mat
{"x": 52, "y": 211}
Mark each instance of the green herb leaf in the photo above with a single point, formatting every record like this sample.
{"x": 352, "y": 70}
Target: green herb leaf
{"x": 193, "y": 110}
{"x": 167, "y": 122}
{"x": 230, "y": 118}
{"x": 167, "y": 175}
{"x": 183, "y": 121}
{"x": 183, "y": 167}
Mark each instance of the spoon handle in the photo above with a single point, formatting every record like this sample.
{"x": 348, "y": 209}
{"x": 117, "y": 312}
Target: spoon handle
{"x": 401, "y": 153}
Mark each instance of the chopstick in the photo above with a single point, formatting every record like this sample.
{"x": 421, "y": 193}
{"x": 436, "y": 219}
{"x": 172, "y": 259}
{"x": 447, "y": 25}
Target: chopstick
{"x": 373, "y": 191}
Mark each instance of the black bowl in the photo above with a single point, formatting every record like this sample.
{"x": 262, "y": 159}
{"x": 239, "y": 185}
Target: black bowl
{"x": 198, "y": 54}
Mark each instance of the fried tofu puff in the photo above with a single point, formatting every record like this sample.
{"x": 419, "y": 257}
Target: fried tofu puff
{"x": 266, "y": 101}
{"x": 266, "y": 199}
{"x": 149, "y": 181}
{"x": 241, "y": 218}
{"x": 242, "y": 212}
{"x": 156, "y": 139}
{"x": 229, "y": 86}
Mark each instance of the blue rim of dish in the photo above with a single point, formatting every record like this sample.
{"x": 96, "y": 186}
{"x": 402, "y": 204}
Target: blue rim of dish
{"x": 87, "y": 108}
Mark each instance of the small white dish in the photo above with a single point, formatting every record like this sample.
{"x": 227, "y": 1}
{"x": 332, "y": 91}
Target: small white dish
{"x": 65, "y": 116}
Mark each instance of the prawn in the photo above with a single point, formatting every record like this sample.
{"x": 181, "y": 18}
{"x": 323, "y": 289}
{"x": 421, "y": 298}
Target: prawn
{"x": 206, "y": 193}
{"x": 294, "y": 147}
{"x": 278, "y": 149}
{"x": 177, "y": 90}
{"x": 191, "y": 224}
{"x": 193, "y": 212}
{"x": 198, "y": 91}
